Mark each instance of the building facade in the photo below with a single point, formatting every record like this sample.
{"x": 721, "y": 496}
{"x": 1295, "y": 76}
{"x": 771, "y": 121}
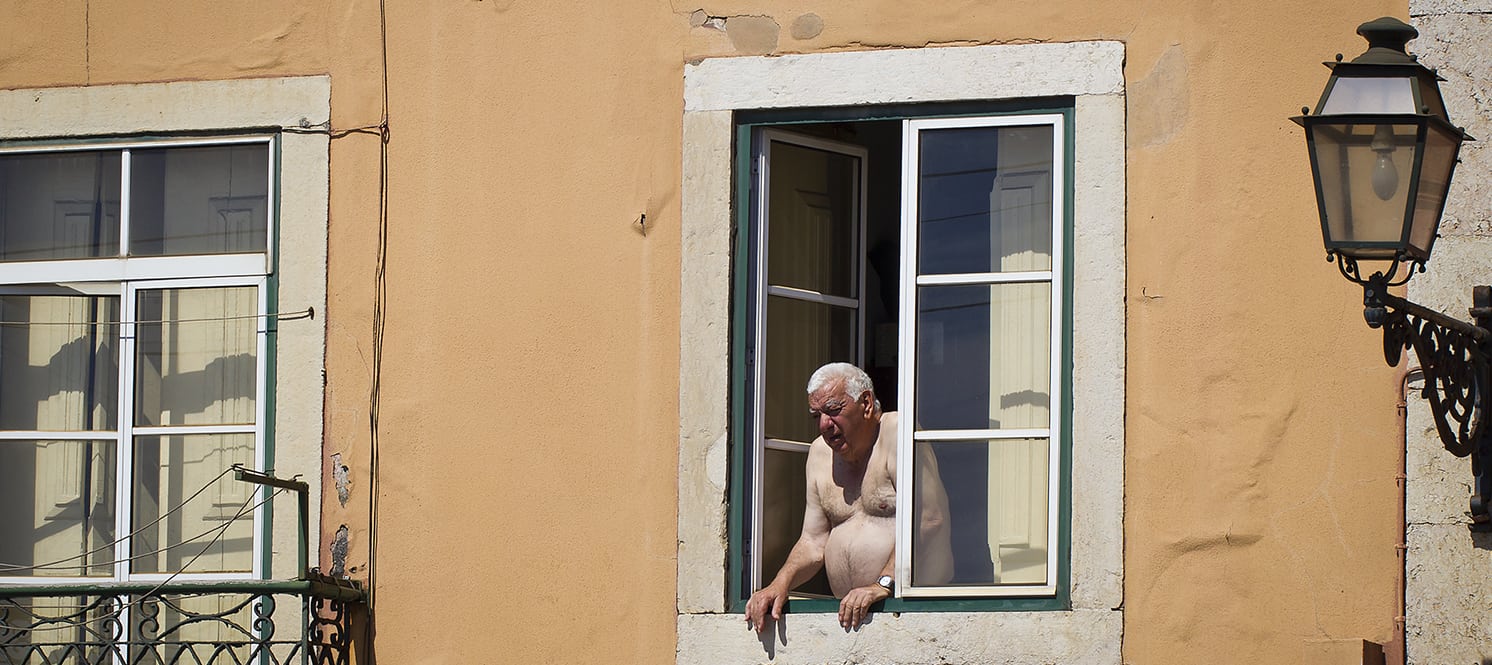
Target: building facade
{"x": 526, "y": 294}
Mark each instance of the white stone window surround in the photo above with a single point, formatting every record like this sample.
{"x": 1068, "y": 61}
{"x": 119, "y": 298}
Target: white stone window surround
{"x": 714, "y": 89}
{"x": 83, "y": 113}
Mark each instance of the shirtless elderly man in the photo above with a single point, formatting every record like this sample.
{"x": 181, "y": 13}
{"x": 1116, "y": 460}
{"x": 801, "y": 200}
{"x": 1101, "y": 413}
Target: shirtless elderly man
{"x": 849, "y": 522}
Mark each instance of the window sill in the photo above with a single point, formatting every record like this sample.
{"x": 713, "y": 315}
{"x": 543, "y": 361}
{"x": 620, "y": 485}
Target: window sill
{"x": 899, "y": 605}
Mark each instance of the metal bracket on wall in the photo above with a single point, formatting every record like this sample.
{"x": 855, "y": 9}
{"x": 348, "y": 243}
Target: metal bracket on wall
{"x": 1455, "y": 357}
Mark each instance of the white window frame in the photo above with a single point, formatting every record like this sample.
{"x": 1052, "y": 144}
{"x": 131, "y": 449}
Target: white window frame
{"x": 124, "y": 276}
{"x": 763, "y": 159}
{"x": 911, "y": 279}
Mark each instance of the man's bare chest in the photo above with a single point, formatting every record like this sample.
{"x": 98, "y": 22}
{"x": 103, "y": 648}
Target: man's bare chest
{"x": 846, "y": 496}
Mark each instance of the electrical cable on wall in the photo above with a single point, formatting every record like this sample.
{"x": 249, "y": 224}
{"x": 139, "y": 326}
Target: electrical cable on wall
{"x": 380, "y": 300}
{"x": 53, "y": 565}
{"x": 132, "y": 557}
{"x": 68, "y": 621}
{"x": 307, "y": 313}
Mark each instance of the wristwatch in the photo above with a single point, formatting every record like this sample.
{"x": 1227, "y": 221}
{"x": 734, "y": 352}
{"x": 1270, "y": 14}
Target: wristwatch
{"x": 887, "y": 583}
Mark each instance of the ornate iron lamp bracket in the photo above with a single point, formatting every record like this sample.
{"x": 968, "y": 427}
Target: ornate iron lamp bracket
{"x": 1456, "y": 358}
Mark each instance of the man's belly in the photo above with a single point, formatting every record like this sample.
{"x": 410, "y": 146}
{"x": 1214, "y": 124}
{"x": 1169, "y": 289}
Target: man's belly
{"x": 857, "y": 551}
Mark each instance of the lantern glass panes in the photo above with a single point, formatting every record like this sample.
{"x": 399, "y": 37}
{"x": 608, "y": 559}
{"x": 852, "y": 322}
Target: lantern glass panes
{"x": 1363, "y": 171}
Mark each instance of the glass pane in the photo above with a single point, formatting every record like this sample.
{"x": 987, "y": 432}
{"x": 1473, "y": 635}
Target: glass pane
{"x": 201, "y": 366}
{"x": 783, "y": 498}
{"x": 216, "y": 528}
{"x": 1374, "y": 94}
{"x": 984, "y": 356}
{"x": 1441, "y": 148}
{"x": 812, "y": 220}
{"x": 60, "y": 205}
{"x": 801, "y": 336}
{"x": 984, "y": 200}
{"x": 1363, "y": 171}
{"x": 58, "y": 516}
{"x": 199, "y": 200}
{"x": 59, "y": 363}
{"x": 997, "y": 513}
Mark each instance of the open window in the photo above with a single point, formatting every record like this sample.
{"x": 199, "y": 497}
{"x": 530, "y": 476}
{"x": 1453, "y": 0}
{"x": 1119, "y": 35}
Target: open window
{"x": 929, "y": 251}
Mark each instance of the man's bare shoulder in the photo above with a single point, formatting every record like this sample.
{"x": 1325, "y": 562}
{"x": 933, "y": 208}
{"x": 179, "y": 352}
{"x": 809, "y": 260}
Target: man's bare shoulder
{"x": 887, "y": 438}
{"x": 889, "y": 420}
{"x": 819, "y": 453}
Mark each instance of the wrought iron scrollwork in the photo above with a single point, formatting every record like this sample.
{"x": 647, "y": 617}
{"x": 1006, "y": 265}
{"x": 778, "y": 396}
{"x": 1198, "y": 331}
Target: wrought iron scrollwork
{"x": 1455, "y": 368}
{"x": 1349, "y": 269}
{"x": 1456, "y": 358}
{"x": 112, "y": 623}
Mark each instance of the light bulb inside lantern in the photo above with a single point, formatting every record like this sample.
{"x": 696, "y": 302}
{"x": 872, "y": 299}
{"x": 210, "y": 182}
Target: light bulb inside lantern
{"x": 1385, "y": 174}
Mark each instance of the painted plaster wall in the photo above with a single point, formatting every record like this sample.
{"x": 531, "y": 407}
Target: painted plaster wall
{"x": 1447, "y": 582}
{"x": 529, "y": 411}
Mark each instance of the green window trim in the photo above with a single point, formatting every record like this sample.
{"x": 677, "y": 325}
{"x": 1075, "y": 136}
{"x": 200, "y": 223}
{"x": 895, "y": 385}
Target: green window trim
{"x": 746, "y": 122}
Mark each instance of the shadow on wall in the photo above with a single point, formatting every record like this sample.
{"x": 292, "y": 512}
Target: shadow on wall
{"x": 1482, "y": 541}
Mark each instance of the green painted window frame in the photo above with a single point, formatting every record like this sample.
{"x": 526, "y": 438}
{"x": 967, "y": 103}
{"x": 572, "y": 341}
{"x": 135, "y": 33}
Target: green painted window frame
{"x": 746, "y": 122}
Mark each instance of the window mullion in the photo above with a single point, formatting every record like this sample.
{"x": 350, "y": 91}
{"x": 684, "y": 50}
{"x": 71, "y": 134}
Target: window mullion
{"x": 262, "y": 514}
{"x": 124, "y": 202}
{"x": 907, "y": 354}
{"x": 125, "y": 457}
{"x": 762, "y": 179}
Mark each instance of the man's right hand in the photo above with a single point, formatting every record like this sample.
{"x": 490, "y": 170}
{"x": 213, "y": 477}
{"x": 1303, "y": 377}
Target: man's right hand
{"x": 767, "y": 600}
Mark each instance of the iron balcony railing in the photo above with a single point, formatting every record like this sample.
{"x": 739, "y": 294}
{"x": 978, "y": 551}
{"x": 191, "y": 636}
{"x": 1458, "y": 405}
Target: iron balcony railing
{"x": 304, "y": 621}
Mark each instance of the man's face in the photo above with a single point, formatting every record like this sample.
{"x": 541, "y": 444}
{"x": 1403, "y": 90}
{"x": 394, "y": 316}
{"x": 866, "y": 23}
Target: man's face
{"x": 843, "y": 421}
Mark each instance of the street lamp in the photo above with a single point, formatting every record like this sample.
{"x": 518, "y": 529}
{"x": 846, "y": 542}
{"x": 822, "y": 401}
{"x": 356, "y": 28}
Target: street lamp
{"x": 1382, "y": 153}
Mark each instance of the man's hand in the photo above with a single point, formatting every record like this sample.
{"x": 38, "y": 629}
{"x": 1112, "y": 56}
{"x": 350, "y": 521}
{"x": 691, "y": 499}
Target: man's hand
{"x": 856, "y": 604}
{"x": 768, "y": 599}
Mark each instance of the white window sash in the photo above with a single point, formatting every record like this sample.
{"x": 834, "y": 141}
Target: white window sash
{"x": 762, "y": 158}
{"x": 124, "y": 483}
{"x": 134, "y": 268}
{"x": 911, "y": 280}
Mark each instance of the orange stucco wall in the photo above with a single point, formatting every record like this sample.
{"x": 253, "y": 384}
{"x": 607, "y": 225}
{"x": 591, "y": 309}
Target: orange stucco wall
{"x": 528, "y": 425}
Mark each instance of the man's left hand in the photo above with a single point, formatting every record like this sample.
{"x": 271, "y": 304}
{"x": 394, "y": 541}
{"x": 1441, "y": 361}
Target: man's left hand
{"x": 856, "y": 604}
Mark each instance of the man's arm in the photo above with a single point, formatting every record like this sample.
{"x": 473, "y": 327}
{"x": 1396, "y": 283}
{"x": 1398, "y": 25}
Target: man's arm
{"x": 934, "y": 554}
{"x": 805, "y": 559}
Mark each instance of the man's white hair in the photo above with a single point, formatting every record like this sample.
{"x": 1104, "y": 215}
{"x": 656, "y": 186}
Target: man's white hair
{"x": 856, "y": 381}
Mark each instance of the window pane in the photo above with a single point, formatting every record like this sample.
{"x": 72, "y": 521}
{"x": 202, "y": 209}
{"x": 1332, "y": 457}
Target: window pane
{"x": 59, "y": 369}
{"x": 782, "y": 515}
{"x": 984, "y": 200}
{"x": 58, "y": 508}
{"x": 200, "y": 200}
{"x": 984, "y": 356}
{"x": 813, "y": 220}
{"x": 199, "y": 368}
{"x": 61, "y": 205}
{"x": 801, "y": 336}
{"x": 168, "y": 469}
{"x": 997, "y": 514}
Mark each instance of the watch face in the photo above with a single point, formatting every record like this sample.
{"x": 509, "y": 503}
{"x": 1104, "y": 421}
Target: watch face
{"x": 886, "y": 582}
